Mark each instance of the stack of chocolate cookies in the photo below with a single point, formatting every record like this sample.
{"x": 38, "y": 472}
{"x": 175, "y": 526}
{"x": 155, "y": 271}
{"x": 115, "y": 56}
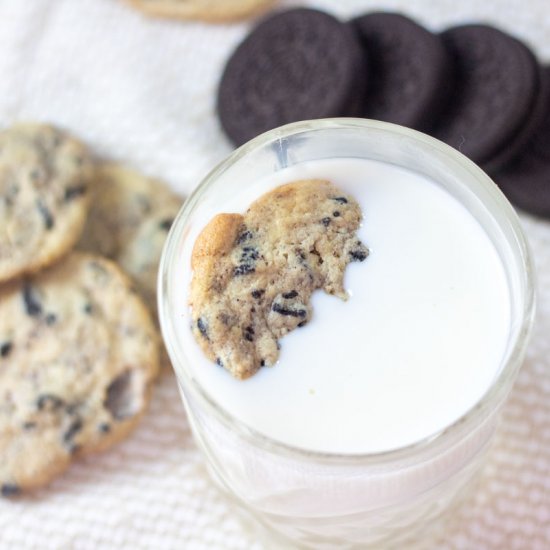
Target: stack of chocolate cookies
{"x": 472, "y": 86}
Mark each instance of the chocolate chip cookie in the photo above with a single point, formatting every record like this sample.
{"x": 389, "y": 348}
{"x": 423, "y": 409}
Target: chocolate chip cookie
{"x": 253, "y": 275}
{"x": 129, "y": 219}
{"x": 298, "y": 64}
{"x": 44, "y": 186}
{"x": 206, "y": 10}
{"x": 78, "y": 352}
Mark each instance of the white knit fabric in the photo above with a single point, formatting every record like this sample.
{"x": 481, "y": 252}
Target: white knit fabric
{"x": 142, "y": 91}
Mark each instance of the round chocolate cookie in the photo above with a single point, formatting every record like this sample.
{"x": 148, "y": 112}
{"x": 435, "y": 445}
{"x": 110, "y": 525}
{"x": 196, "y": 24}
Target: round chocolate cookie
{"x": 496, "y": 87}
{"x": 299, "y": 64}
{"x": 411, "y": 71}
{"x": 526, "y": 181}
{"x": 522, "y": 136}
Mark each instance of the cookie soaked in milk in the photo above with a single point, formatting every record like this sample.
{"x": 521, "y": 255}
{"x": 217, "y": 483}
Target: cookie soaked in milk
{"x": 418, "y": 343}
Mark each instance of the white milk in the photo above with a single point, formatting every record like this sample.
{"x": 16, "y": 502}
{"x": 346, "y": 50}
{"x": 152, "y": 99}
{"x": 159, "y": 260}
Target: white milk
{"x": 417, "y": 344}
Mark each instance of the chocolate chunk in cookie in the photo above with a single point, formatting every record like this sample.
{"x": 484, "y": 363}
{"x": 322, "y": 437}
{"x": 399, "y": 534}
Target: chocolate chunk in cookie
{"x": 253, "y": 275}
{"x": 78, "y": 385}
{"x": 40, "y": 167}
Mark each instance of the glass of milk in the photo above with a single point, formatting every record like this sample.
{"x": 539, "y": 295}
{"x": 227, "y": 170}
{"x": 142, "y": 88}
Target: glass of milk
{"x": 379, "y": 412}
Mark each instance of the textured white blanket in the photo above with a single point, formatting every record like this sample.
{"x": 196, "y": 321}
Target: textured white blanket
{"x": 142, "y": 91}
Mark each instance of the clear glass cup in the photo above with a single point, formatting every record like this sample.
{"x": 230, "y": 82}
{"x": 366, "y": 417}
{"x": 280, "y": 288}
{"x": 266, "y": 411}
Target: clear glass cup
{"x": 323, "y": 500}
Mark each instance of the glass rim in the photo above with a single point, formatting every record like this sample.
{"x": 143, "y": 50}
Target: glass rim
{"x": 496, "y": 392}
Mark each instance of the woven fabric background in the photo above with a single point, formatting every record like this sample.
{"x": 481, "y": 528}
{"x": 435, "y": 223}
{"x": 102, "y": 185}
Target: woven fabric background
{"x": 142, "y": 91}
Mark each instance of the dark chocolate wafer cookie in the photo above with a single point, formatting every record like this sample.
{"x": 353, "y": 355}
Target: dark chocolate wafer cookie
{"x": 527, "y": 130}
{"x": 410, "y": 70}
{"x": 526, "y": 181}
{"x": 496, "y": 86}
{"x": 296, "y": 65}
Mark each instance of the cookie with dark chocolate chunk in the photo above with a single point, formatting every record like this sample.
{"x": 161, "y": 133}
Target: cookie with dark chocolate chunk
{"x": 410, "y": 70}
{"x": 78, "y": 354}
{"x": 296, "y": 65}
{"x": 496, "y": 88}
{"x": 130, "y": 216}
{"x": 253, "y": 275}
{"x": 526, "y": 180}
{"x": 44, "y": 194}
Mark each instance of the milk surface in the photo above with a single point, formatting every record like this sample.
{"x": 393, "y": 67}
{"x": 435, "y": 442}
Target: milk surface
{"x": 416, "y": 345}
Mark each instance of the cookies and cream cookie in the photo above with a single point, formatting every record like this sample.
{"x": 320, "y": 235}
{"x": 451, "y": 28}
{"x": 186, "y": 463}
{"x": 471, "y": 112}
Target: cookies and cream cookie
{"x": 253, "y": 275}
{"x": 78, "y": 353}
{"x": 129, "y": 219}
{"x": 44, "y": 186}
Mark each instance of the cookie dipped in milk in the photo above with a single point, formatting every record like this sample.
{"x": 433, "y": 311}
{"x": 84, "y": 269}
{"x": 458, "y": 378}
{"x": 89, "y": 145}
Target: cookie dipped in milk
{"x": 365, "y": 414}
{"x": 428, "y": 312}
{"x": 253, "y": 275}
